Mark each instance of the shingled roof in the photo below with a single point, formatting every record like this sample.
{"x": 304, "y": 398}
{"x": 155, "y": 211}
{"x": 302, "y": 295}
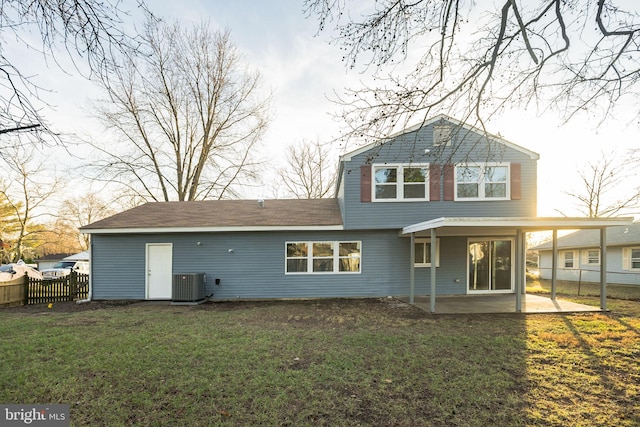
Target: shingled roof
{"x": 616, "y": 236}
{"x": 223, "y": 214}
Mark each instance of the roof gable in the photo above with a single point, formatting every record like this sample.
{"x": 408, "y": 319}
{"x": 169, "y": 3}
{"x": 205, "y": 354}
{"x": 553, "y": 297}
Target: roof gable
{"x": 440, "y": 119}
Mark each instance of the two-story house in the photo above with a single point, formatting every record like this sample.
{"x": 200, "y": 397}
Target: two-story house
{"x": 438, "y": 209}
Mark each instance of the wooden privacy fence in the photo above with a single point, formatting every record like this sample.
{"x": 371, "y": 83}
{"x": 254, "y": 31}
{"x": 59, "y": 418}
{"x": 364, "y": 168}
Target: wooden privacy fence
{"x": 13, "y": 291}
{"x": 26, "y": 290}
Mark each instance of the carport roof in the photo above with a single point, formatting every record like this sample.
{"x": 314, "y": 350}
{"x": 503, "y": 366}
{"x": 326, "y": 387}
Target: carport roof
{"x": 504, "y": 225}
{"x": 223, "y": 215}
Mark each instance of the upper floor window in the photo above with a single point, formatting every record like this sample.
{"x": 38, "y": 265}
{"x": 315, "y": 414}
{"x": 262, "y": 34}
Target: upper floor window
{"x": 401, "y": 182}
{"x": 478, "y": 182}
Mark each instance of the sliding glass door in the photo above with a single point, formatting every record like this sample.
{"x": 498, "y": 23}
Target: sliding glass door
{"x": 490, "y": 266}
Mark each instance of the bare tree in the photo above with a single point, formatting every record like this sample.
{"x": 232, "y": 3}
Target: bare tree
{"x": 79, "y": 211}
{"x": 58, "y": 237}
{"x": 475, "y": 59}
{"x": 8, "y": 227}
{"x": 186, "y": 115}
{"x": 607, "y": 190}
{"x": 309, "y": 172}
{"x": 25, "y": 192}
{"x": 81, "y": 30}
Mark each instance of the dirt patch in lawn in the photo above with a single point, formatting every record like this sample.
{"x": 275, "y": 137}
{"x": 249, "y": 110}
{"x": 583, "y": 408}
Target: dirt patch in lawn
{"x": 337, "y": 312}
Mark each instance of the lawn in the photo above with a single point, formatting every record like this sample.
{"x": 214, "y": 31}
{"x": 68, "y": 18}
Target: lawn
{"x": 622, "y": 299}
{"x": 330, "y": 362}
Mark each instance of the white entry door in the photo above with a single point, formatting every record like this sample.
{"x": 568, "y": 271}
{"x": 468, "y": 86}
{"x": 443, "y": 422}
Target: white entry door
{"x": 159, "y": 270}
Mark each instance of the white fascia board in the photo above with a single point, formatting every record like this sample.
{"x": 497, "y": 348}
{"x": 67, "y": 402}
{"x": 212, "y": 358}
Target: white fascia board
{"x": 535, "y": 223}
{"x": 422, "y": 226}
{"x": 348, "y": 156}
{"x": 339, "y": 177}
{"x": 568, "y": 223}
{"x": 161, "y": 230}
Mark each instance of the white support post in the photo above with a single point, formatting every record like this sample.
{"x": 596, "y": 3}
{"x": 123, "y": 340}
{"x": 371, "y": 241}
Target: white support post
{"x": 412, "y": 271}
{"x": 554, "y": 264}
{"x": 519, "y": 269}
{"x": 432, "y": 295}
{"x": 603, "y": 269}
{"x": 524, "y": 265}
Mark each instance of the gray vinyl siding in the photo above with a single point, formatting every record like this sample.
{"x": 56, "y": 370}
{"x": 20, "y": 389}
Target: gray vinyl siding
{"x": 410, "y": 148}
{"x": 451, "y": 275}
{"x": 256, "y": 267}
{"x": 118, "y": 266}
{"x": 590, "y": 273}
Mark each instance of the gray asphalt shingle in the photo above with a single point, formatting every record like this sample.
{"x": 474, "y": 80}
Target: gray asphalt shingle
{"x": 225, "y": 213}
{"x": 616, "y": 236}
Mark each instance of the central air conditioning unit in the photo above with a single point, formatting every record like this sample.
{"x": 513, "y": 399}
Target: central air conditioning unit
{"x": 188, "y": 288}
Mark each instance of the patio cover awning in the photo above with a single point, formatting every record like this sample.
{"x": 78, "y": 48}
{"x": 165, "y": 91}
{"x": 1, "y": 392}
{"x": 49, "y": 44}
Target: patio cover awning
{"x": 518, "y": 226}
{"x": 455, "y": 226}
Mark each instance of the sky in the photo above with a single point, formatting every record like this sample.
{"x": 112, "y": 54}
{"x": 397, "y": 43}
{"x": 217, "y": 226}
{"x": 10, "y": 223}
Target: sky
{"x": 304, "y": 71}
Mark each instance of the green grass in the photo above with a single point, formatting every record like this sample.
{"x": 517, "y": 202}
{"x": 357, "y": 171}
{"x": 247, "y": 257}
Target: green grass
{"x": 620, "y": 298}
{"x": 567, "y": 287}
{"x": 334, "y": 362}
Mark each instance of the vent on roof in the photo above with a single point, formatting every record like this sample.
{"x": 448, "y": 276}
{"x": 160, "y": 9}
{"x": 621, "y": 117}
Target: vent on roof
{"x": 261, "y": 203}
{"x": 188, "y": 288}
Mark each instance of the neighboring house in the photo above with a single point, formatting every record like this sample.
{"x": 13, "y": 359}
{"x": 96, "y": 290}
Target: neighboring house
{"x": 77, "y": 262}
{"x": 472, "y": 194}
{"x": 48, "y": 261}
{"x": 80, "y": 256}
{"x": 579, "y": 256}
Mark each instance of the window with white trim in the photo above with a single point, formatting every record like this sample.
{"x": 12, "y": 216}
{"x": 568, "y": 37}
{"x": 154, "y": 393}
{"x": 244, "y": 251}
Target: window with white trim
{"x": 635, "y": 258}
{"x": 422, "y": 254}
{"x": 322, "y": 257}
{"x": 482, "y": 182}
{"x": 591, "y": 257}
{"x": 297, "y": 257}
{"x": 401, "y": 182}
{"x": 631, "y": 258}
{"x": 568, "y": 259}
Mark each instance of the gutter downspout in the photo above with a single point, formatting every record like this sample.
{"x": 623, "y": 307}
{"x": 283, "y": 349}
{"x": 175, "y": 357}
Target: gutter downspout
{"x": 90, "y": 293}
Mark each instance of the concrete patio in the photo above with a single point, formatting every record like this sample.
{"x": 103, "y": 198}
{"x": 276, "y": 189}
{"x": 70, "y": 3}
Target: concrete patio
{"x": 502, "y": 303}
